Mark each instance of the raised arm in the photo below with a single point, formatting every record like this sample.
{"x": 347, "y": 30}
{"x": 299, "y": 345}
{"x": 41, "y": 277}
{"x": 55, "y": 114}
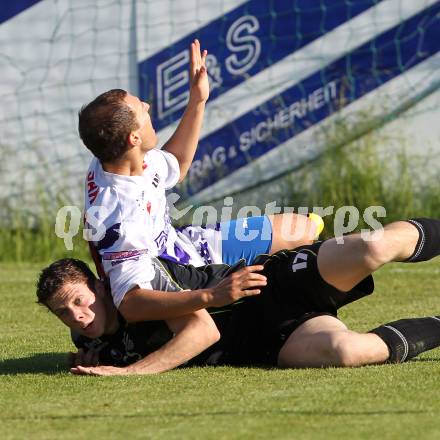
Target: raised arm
{"x": 148, "y": 305}
{"x": 193, "y": 334}
{"x": 183, "y": 142}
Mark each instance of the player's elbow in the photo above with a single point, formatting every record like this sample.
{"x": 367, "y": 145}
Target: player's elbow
{"x": 183, "y": 172}
{"x": 202, "y": 332}
{"x": 215, "y": 335}
{"x": 210, "y": 332}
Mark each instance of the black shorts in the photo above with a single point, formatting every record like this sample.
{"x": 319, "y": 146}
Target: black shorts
{"x": 295, "y": 293}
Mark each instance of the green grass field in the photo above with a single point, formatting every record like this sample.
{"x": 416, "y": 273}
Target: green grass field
{"x": 41, "y": 400}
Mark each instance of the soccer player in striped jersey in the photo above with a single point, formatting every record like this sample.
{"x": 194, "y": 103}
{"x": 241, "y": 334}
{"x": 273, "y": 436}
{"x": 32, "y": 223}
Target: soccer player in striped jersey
{"x": 125, "y": 196}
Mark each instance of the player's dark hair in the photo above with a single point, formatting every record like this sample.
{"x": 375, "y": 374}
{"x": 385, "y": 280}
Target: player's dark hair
{"x": 105, "y": 124}
{"x": 60, "y": 273}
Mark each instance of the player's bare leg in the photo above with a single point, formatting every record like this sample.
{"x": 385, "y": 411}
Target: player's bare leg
{"x": 325, "y": 341}
{"x": 291, "y": 230}
{"x": 343, "y": 265}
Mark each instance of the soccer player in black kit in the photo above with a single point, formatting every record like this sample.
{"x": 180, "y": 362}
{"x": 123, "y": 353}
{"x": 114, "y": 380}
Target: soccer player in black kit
{"x": 290, "y": 321}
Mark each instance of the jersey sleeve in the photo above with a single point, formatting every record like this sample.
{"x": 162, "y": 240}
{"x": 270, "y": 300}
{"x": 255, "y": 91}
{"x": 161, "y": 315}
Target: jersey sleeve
{"x": 167, "y": 166}
{"x": 144, "y": 272}
{"x": 127, "y": 273}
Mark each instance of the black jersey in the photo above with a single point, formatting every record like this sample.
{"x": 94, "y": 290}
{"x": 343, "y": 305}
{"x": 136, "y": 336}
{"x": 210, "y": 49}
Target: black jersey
{"x": 254, "y": 328}
{"x": 129, "y": 344}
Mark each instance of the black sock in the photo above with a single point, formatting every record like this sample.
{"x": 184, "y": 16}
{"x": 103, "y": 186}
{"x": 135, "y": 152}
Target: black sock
{"x": 428, "y": 245}
{"x": 408, "y": 338}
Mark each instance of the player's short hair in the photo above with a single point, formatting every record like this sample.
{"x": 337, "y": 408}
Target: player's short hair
{"x": 105, "y": 124}
{"x": 61, "y": 272}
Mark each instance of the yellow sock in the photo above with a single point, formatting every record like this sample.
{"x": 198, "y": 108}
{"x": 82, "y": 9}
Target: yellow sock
{"x": 319, "y": 222}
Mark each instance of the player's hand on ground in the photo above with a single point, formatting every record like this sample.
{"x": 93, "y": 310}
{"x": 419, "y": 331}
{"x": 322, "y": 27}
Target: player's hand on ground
{"x": 244, "y": 282}
{"x": 87, "y": 358}
{"x": 198, "y": 75}
{"x": 102, "y": 370}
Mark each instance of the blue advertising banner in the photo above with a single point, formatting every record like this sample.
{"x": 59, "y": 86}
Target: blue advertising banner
{"x": 241, "y": 43}
{"x": 10, "y": 9}
{"x": 313, "y": 99}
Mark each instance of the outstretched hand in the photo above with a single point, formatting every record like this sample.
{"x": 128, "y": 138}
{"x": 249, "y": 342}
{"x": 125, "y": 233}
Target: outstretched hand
{"x": 244, "y": 282}
{"x": 101, "y": 370}
{"x": 198, "y": 75}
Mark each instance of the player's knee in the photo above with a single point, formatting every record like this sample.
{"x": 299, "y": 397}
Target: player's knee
{"x": 342, "y": 351}
{"x": 376, "y": 252}
{"x": 215, "y": 335}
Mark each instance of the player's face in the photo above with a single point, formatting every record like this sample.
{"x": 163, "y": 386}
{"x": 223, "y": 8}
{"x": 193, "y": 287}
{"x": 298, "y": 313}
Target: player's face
{"x": 146, "y": 130}
{"x": 80, "y": 309}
